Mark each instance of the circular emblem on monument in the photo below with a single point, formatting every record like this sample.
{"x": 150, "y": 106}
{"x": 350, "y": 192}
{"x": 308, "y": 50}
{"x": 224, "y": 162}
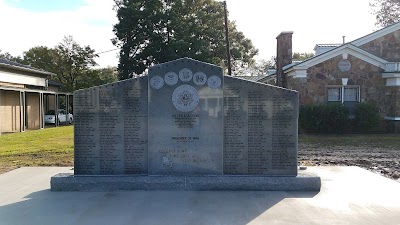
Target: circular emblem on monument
{"x": 344, "y": 65}
{"x": 156, "y": 82}
{"x": 200, "y": 78}
{"x": 185, "y": 98}
{"x": 214, "y": 82}
{"x": 185, "y": 75}
{"x": 171, "y": 78}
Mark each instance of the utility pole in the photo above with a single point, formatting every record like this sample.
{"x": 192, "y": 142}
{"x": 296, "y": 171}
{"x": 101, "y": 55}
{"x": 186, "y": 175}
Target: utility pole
{"x": 228, "y": 49}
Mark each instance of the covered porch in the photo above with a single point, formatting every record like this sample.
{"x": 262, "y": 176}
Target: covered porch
{"x": 25, "y": 109}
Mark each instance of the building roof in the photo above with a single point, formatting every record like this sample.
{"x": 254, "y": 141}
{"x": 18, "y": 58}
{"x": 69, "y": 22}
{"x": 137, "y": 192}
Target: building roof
{"x": 351, "y": 48}
{"x": 377, "y": 34}
{"x": 54, "y": 83}
{"x": 18, "y": 66}
{"x": 326, "y": 46}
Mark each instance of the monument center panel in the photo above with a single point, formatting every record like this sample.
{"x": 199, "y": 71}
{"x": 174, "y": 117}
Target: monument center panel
{"x": 185, "y": 127}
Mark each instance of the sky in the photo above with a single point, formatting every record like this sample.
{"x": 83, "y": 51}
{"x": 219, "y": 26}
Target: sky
{"x": 29, "y": 23}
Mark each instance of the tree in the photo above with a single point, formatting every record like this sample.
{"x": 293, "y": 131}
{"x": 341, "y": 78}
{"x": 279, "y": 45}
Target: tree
{"x": 386, "y": 12}
{"x": 9, "y": 57}
{"x": 68, "y": 60}
{"x": 260, "y": 67}
{"x": 157, "y": 31}
{"x": 42, "y": 57}
{"x": 302, "y": 56}
{"x": 96, "y": 77}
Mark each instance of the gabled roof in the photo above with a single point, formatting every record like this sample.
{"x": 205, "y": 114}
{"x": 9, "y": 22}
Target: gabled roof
{"x": 327, "y": 45}
{"x": 349, "y": 48}
{"x": 377, "y": 34}
{"x": 346, "y": 48}
{"x": 18, "y": 66}
{"x": 294, "y": 62}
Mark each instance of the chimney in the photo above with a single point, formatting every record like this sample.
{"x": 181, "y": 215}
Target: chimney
{"x": 283, "y": 56}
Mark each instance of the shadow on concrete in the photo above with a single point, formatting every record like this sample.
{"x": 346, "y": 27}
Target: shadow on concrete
{"x": 143, "y": 207}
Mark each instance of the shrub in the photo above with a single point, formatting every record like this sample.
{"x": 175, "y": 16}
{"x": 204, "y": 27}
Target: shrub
{"x": 330, "y": 118}
{"x": 367, "y": 116}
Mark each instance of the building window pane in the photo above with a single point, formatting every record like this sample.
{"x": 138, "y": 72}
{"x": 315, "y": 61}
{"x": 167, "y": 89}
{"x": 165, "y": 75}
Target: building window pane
{"x": 351, "y": 94}
{"x": 334, "y": 94}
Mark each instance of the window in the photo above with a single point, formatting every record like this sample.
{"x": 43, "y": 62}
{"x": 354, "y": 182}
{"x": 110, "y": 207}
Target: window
{"x": 349, "y": 96}
{"x": 344, "y": 94}
{"x": 334, "y": 94}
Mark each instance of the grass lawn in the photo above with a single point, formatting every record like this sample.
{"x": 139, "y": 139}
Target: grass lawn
{"x": 54, "y": 146}
{"x": 47, "y": 147}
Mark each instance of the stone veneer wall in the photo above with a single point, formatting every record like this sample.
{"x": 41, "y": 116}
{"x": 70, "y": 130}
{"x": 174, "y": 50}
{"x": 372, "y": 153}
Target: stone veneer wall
{"x": 386, "y": 47}
{"x": 313, "y": 89}
{"x": 394, "y": 109}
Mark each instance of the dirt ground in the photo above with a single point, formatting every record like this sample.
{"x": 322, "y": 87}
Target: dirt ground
{"x": 384, "y": 161}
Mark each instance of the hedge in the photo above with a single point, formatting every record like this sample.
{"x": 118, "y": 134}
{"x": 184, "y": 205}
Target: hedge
{"x": 334, "y": 118}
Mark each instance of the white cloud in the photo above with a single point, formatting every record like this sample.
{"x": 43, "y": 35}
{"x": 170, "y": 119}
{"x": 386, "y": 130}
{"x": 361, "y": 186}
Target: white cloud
{"x": 90, "y": 24}
{"x": 313, "y": 21}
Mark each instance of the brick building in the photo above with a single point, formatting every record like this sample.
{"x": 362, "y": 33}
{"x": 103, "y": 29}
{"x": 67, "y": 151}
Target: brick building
{"x": 364, "y": 70}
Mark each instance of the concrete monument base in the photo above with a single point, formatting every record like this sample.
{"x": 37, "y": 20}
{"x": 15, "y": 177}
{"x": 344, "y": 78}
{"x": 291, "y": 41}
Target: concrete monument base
{"x": 305, "y": 181}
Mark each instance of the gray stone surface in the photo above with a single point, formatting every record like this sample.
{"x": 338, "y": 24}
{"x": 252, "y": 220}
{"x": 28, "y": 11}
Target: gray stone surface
{"x": 306, "y": 181}
{"x": 110, "y": 129}
{"x": 260, "y": 123}
{"x": 69, "y": 182}
{"x": 185, "y": 118}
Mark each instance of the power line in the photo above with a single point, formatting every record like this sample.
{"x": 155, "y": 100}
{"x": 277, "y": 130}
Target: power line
{"x": 107, "y": 51}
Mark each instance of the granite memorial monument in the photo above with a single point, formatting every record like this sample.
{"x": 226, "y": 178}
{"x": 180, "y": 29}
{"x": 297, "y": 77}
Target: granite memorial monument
{"x": 185, "y": 126}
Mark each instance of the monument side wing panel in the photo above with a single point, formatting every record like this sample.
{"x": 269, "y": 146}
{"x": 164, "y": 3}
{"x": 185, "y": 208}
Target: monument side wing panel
{"x": 260, "y": 129}
{"x": 111, "y": 129}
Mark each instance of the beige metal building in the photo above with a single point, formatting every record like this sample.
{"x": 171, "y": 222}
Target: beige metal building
{"x": 25, "y": 96}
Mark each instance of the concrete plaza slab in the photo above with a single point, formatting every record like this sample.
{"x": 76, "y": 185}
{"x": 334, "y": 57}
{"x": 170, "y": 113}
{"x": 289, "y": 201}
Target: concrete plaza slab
{"x": 349, "y": 195}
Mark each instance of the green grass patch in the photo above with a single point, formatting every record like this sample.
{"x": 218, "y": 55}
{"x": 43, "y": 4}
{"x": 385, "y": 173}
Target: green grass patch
{"x": 47, "y": 147}
{"x": 55, "y": 146}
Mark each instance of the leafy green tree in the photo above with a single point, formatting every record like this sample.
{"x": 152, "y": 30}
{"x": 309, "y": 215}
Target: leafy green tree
{"x": 386, "y": 12}
{"x": 157, "y": 31}
{"x": 41, "y": 57}
{"x": 68, "y": 60}
{"x": 96, "y": 77}
{"x": 9, "y": 57}
{"x": 302, "y": 56}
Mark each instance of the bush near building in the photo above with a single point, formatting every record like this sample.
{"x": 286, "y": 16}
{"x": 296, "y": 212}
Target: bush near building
{"x": 335, "y": 118}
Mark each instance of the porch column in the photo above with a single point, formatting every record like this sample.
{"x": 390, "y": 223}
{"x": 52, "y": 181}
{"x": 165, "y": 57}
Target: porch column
{"x": 66, "y": 109}
{"x": 22, "y": 116}
{"x": 41, "y": 109}
{"x": 56, "y": 110}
